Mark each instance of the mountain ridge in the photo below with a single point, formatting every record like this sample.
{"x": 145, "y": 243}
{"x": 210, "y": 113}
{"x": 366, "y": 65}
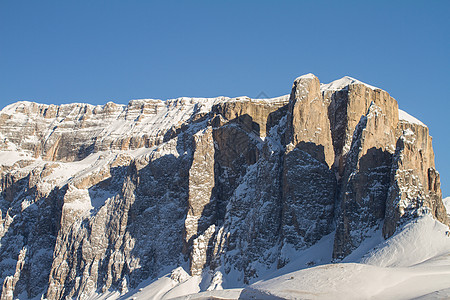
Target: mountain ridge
{"x": 218, "y": 185}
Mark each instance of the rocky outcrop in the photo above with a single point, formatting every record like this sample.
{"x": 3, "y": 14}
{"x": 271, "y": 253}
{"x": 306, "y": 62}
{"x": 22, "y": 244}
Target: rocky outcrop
{"x": 133, "y": 229}
{"x": 254, "y": 115}
{"x": 202, "y": 201}
{"x": 308, "y": 126}
{"x": 349, "y": 100}
{"x": 100, "y": 198}
{"x": 414, "y": 181}
{"x": 309, "y": 187}
{"x": 9, "y": 283}
{"x": 365, "y": 181}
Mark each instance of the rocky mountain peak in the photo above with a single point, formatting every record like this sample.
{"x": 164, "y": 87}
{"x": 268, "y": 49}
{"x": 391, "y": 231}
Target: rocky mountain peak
{"x": 101, "y": 198}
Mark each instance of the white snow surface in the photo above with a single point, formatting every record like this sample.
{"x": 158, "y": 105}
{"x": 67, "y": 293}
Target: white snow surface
{"x": 447, "y": 204}
{"x": 356, "y": 281}
{"x": 418, "y": 241}
{"x": 343, "y": 83}
{"x": 9, "y": 158}
{"x": 306, "y": 76}
{"x": 404, "y": 116}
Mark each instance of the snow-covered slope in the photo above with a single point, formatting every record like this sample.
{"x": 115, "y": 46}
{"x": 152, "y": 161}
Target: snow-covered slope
{"x": 418, "y": 241}
{"x": 358, "y": 281}
{"x": 413, "y": 263}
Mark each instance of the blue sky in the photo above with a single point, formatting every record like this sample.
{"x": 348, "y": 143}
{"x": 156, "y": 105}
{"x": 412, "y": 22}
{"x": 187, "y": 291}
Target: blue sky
{"x": 99, "y": 51}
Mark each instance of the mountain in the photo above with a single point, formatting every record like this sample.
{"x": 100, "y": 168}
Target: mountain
{"x": 101, "y": 201}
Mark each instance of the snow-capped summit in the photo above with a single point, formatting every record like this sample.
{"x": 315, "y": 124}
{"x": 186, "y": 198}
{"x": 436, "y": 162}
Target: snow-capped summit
{"x": 306, "y": 76}
{"x": 343, "y": 83}
{"x": 404, "y": 116}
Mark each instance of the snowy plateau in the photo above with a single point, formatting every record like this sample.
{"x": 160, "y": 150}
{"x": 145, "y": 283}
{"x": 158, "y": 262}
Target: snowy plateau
{"x": 330, "y": 192}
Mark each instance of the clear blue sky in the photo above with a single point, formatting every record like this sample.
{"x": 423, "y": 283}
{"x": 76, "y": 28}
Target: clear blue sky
{"x": 99, "y": 51}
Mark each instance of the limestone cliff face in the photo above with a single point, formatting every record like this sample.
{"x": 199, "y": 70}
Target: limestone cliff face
{"x": 365, "y": 181}
{"x": 414, "y": 181}
{"x": 308, "y": 179}
{"x": 308, "y": 125}
{"x": 100, "y": 198}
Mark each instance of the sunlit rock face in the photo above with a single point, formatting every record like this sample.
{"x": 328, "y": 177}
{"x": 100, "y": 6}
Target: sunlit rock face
{"x": 100, "y": 198}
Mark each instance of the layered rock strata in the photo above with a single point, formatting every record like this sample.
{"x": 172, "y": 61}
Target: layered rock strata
{"x": 98, "y": 198}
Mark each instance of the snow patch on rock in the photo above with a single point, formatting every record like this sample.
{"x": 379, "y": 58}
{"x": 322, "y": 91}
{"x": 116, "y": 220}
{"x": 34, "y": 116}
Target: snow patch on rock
{"x": 404, "y": 116}
{"x": 342, "y": 84}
